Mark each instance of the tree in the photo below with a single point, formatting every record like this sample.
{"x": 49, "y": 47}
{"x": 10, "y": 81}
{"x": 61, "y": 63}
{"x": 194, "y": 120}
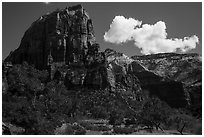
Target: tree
{"x": 155, "y": 112}
{"x": 32, "y": 103}
{"x": 181, "y": 120}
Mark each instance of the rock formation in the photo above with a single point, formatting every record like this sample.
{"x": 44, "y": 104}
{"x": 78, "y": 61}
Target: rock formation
{"x": 166, "y": 89}
{"x": 185, "y": 68}
{"x": 63, "y": 42}
{"x": 62, "y": 36}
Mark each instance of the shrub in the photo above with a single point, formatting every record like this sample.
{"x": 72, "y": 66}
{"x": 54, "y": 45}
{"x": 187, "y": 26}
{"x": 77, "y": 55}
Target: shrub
{"x": 103, "y": 128}
{"x": 92, "y": 127}
{"x": 181, "y": 121}
{"x": 99, "y": 112}
{"x": 79, "y": 130}
{"x": 69, "y": 130}
{"x": 116, "y": 117}
{"x": 154, "y": 112}
{"x": 123, "y": 130}
{"x": 107, "y": 133}
{"x": 88, "y": 126}
{"x": 197, "y": 129}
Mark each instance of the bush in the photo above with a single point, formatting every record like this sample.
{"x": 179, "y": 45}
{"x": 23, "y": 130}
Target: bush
{"x": 99, "y": 112}
{"x": 79, "y": 130}
{"x": 92, "y": 127}
{"x": 88, "y": 126}
{"x": 107, "y": 133}
{"x": 69, "y": 130}
{"x": 123, "y": 130}
{"x": 182, "y": 121}
{"x": 154, "y": 112}
{"x": 103, "y": 128}
{"x": 116, "y": 117}
{"x": 197, "y": 129}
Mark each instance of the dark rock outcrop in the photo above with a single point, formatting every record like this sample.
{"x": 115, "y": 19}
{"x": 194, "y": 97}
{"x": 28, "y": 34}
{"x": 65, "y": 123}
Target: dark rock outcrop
{"x": 63, "y": 42}
{"x": 62, "y": 36}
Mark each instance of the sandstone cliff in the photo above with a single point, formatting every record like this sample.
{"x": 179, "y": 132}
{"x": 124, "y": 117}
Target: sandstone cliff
{"x": 166, "y": 89}
{"x": 63, "y": 42}
{"x": 185, "y": 68}
{"x": 62, "y": 36}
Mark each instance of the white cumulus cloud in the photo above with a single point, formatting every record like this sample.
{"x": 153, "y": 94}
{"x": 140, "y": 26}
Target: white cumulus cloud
{"x": 121, "y": 29}
{"x": 151, "y": 39}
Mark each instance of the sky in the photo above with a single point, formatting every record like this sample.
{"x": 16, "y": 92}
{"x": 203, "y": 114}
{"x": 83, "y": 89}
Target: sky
{"x": 172, "y": 22}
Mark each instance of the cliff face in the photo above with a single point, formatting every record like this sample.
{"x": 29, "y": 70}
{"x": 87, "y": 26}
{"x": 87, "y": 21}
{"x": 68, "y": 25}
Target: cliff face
{"x": 63, "y": 42}
{"x": 62, "y": 36}
{"x": 155, "y": 85}
{"x": 180, "y": 67}
{"x": 118, "y": 76}
{"x": 185, "y": 68}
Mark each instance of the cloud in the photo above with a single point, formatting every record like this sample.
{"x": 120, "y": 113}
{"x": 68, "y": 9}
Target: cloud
{"x": 151, "y": 39}
{"x": 121, "y": 29}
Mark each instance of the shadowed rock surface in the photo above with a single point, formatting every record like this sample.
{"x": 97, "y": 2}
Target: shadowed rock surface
{"x": 166, "y": 89}
{"x": 185, "y": 68}
{"x": 63, "y": 42}
{"x": 62, "y": 36}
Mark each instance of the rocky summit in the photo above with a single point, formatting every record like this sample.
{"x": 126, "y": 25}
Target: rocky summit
{"x": 63, "y": 42}
{"x": 63, "y": 36}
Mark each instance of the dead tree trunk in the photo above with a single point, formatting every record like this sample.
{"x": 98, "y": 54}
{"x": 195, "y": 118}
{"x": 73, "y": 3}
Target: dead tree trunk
{"x": 181, "y": 130}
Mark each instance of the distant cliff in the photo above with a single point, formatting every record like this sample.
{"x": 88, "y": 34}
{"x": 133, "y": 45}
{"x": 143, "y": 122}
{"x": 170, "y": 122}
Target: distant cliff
{"x": 185, "y": 68}
{"x": 154, "y": 84}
